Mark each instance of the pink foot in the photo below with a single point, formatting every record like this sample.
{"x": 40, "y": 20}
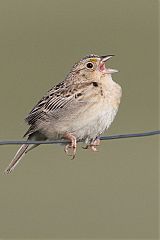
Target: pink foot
{"x": 93, "y": 145}
{"x": 72, "y": 145}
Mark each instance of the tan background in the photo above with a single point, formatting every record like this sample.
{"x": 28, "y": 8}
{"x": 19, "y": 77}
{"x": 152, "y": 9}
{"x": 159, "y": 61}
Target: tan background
{"x": 110, "y": 194}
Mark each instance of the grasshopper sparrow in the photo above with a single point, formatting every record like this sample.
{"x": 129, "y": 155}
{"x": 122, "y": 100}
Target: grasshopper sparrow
{"x": 79, "y": 108}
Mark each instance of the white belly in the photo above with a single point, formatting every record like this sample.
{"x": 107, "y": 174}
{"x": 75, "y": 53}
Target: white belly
{"x": 94, "y": 123}
{"x": 99, "y": 117}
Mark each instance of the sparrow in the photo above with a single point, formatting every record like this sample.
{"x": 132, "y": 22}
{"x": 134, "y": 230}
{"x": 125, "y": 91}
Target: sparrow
{"x": 80, "y": 108}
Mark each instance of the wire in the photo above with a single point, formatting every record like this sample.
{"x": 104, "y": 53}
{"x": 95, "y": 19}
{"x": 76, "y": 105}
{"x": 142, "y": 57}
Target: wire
{"x": 111, "y": 137}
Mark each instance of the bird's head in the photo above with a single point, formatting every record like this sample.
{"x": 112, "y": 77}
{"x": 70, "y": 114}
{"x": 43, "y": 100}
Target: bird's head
{"x": 93, "y": 66}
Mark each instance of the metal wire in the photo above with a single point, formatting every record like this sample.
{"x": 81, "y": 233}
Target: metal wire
{"x": 111, "y": 137}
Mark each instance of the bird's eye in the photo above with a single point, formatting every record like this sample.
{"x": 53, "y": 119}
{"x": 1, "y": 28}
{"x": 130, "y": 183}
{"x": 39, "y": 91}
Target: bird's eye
{"x": 89, "y": 65}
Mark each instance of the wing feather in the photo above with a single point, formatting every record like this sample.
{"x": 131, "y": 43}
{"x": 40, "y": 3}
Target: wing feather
{"x": 55, "y": 103}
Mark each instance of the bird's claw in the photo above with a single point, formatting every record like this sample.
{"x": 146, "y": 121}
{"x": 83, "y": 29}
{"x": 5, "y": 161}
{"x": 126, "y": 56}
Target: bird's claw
{"x": 73, "y": 149}
{"x": 93, "y": 145}
{"x": 72, "y": 145}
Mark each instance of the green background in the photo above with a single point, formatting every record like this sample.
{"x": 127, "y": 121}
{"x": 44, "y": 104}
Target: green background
{"x": 109, "y": 194}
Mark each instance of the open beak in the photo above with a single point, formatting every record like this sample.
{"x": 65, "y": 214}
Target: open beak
{"x": 106, "y": 58}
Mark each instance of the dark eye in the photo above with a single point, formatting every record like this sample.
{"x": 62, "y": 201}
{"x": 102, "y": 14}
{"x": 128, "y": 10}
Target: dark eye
{"x": 89, "y": 65}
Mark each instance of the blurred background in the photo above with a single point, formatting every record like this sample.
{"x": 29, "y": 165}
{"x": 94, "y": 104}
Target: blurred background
{"x": 109, "y": 194}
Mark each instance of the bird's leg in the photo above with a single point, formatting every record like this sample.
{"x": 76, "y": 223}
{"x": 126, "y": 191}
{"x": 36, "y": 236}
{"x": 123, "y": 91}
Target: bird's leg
{"x": 72, "y": 145}
{"x": 93, "y": 145}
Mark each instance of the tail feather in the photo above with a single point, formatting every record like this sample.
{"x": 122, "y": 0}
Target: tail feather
{"x": 23, "y": 150}
{"x": 20, "y": 153}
